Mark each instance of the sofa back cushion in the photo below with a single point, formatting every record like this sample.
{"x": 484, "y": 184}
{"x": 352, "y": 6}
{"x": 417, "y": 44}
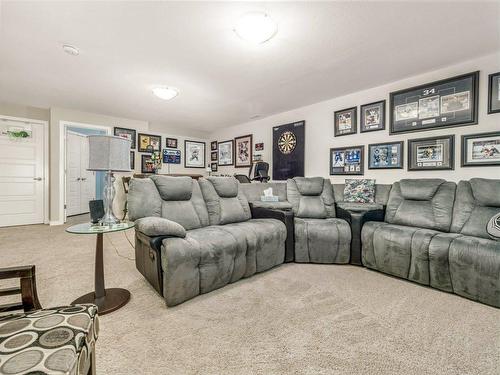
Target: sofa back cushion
{"x": 424, "y": 203}
{"x": 143, "y": 199}
{"x": 182, "y": 201}
{"x": 476, "y": 202}
{"x": 311, "y": 197}
{"x": 225, "y": 202}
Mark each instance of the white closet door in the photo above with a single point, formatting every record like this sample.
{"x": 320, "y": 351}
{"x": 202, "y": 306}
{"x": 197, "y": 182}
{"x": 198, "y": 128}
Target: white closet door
{"x": 21, "y": 175}
{"x": 73, "y": 166}
{"x": 87, "y": 182}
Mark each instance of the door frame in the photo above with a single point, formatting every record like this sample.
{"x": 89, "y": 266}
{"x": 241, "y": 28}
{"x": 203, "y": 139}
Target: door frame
{"x": 46, "y": 150}
{"x": 63, "y": 129}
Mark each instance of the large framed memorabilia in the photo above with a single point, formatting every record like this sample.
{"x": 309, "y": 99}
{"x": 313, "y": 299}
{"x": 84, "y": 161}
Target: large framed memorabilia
{"x": 194, "y": 154}
{"x": 243, "y": 147}
{"x": 171, "y": 142}
{"x": 129, "y": 134}
{"x": 386, "y": 155}
{"x": 288, "y": 150}
{"x": 149, "y": 143}
{"x": 435, "y": 153}
{"x": 147, "y": 164}
{"x": 494, "y": 93}
{"x": 345, "y": 122}
{"x": 372, "y": 116}
{"x": 213, "y": 146}
{"x": 481, "y": 149}
{"x": 226, "y": 152}
{"x": 171, "y": 156}
{"x": 446, "y": 103}
{"x": 347, "y": 160}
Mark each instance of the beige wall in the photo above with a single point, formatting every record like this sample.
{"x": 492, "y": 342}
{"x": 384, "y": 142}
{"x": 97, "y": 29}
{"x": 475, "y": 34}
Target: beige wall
{"x": 319, "y": 136}
{"x": 16, "y": 110}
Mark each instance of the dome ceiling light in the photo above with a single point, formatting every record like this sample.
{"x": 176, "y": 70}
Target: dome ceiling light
{"x": 256, "y": 27}
{"x": 166, "y": 93}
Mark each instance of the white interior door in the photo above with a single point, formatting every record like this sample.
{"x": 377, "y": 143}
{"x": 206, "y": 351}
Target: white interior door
{"x": 21, "y": 175}
{"x": 80, "y": 183}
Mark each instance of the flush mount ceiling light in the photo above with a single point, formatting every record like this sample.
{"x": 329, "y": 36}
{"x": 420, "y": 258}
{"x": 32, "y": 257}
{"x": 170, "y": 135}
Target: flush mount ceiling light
{"x": 71, "y": 50}
{"x": 165, "y": 93}
{"x": 256, "y": 27}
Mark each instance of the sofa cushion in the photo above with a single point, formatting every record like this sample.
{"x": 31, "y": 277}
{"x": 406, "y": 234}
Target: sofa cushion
{"x": 158, "y": 226}
{"x": 398, "y": 250}
{"x": 424, "y": 203}
{"x": 174, "y": 188}
{"x": 476, "y": 202}
{"x": 322, "y": 240}
{"x": 359, "y": 191}
{"x": 224, "y": 209}
{"x": 143, "y": 199}
{"x": 316, "y": 203}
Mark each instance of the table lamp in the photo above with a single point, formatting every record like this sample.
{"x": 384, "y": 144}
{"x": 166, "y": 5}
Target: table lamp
{"x": 110, "y": 154}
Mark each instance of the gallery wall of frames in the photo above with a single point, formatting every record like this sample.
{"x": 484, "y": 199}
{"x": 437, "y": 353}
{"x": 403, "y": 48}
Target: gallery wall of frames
{"x": 442, "y": 124}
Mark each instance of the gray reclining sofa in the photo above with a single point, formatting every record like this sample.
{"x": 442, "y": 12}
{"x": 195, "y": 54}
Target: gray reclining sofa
{"x": 426, "y": 230}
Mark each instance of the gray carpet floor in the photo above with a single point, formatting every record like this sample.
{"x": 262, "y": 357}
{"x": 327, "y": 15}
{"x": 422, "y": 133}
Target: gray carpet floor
{"x": 294, "y": 319}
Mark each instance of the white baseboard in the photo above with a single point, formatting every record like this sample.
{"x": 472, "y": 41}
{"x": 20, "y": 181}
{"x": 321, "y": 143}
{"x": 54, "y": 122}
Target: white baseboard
{"x": 56, "y": 222}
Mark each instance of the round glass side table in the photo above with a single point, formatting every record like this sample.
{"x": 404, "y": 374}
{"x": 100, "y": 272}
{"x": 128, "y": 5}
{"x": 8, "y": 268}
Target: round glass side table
{"x": 111, "y": 299}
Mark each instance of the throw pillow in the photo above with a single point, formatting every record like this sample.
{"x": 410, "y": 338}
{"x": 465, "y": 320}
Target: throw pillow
{"x": 359, "y": 191}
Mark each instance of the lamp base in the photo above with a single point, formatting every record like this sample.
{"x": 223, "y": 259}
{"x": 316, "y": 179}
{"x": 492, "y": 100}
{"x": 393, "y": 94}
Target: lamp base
{"x": 108, "y": 196}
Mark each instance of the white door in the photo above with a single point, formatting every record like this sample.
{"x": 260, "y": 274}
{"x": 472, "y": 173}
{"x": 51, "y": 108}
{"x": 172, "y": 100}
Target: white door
{"x": 80, "y": 183}
{"x": 21, "y": 174}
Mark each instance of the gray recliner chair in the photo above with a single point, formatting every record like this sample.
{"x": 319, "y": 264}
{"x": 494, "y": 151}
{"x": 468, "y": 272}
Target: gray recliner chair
{"x": 320, "y": 237}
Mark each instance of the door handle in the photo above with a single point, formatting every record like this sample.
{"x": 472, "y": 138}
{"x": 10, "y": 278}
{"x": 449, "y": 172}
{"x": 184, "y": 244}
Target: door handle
{"x": 78, "y": 179}
{"x": 84, "y": 179}
{"x": 37, "y": 178}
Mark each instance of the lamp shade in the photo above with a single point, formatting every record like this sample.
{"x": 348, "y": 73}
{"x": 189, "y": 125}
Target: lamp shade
{"x": 109, "y": 153}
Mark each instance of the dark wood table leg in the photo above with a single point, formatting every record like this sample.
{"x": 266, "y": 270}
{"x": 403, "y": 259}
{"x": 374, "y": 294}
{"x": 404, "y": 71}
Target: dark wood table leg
{"x": 107, "y": 300}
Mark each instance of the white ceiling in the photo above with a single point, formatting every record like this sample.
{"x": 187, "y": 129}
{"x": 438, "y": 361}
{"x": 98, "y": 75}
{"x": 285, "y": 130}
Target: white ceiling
{"x": 322, "y": 50}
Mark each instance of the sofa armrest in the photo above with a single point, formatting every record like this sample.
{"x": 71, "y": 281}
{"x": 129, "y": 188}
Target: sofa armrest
{"x": 356, "y": 219}
{"x": 157, "y": 226}
{"x": 286, "y": 217}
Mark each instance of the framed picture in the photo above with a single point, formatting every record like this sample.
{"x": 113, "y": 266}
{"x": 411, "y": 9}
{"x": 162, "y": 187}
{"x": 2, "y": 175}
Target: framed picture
{"x": 494, "y": 93}
{"x": 347, "y": 160}
{"x": 171, "y": 142}
{"x": 171, "y": 156}
{"x": 147, "y": 165}
{"x": 213, "y": 146}
{"x": 481, "y": 149}
{"x": 372, "y": 117}
{"x": 435, "y": 153}
{"x": 149, "y": 143}
{"x": 440, "y": 104}
{"x": 132, "y": 160}
{"x": 213, "y": 167}
{"x": 213, "y": 156}
{"x": 345, "y": 122}
{"x": 194, "y": 154}
{"x": 226, "y": 151}
{"x": 127, "y": 134}
{"x": 386, "y": 155}
{"x": 243, "y": 156}
{"x": 259, "y": 147}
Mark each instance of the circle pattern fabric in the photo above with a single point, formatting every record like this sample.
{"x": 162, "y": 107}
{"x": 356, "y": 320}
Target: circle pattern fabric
{"x": 55, "y": 341}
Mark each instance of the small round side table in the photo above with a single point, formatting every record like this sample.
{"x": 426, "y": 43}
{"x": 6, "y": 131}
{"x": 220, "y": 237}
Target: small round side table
{"x": 111, "y": 299}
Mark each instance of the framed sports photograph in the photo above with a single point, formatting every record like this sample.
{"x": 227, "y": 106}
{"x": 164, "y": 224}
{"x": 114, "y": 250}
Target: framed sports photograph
{"x": 171, "y": 156}
{"x": 213, "y": 156}
{"x": 194, "y": 154}
{"x": 259, "y": 147}
{"x": 129, "y": 134}
{"x": 345, "y": 122}
{"x": 171, "y": 142}
{"x": 386, "y": 155}
{"x": 213, "y": 146}
{"x": 132, "y": 160}
{"x": 147, "y": 165}
{"x": 435, "y": 153}
{"x": 494, "y": 93}
{"x": 149, "y": 143}
{"x": 347, "y": 160}
{"x": 441, "y": 104}
{"x": 481, "y": 149}
{"x": 372, "y": 116}
{"x": 243, "y": 151}
{"x": 213, "y": 167}
{"x": 226, "y": 151}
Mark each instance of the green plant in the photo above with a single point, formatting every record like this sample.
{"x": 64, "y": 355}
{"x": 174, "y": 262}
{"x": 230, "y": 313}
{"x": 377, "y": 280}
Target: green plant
{"x": 18, "y": 134}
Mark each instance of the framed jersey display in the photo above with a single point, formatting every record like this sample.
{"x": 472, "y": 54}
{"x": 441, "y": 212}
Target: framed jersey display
{"x": 288, "y": 150}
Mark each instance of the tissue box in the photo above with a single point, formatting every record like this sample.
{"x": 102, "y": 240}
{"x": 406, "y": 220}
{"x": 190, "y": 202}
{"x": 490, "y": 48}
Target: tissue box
{"x": 271, "y": 198}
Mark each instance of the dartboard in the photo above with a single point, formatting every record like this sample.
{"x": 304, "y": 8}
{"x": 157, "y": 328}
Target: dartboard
{"x": 287, "y": 142}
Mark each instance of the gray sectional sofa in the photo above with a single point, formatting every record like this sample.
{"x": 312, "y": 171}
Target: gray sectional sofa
{"x": 193, "y": 237}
